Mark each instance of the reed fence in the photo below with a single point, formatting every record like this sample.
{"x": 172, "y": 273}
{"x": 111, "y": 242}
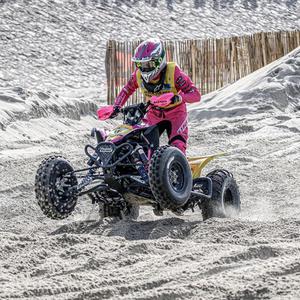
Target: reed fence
{"x": 211, "y": 63}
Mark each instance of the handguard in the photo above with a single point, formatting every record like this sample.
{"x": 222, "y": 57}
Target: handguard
{"x": 105, "y": 112}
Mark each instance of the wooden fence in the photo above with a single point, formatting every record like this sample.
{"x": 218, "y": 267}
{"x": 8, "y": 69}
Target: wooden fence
{"x": 211, "y": 63}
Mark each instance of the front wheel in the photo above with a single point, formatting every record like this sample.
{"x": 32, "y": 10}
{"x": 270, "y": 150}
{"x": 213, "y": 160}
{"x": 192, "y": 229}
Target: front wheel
{"x": 170, "y": 178}
{"x": 225, "y": 199}
{"x": 53, "y": 187}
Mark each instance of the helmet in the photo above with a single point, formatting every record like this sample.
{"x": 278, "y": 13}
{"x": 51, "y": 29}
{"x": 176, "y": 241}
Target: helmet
{"x": 150, "y": 58}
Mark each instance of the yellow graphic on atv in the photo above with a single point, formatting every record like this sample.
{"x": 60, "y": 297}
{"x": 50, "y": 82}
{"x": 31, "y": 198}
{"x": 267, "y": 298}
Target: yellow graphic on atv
{"x": 119, "y": 132}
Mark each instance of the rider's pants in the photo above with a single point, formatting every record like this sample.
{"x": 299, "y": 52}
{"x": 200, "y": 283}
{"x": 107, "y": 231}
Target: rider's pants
{"x": 174, "y": 121}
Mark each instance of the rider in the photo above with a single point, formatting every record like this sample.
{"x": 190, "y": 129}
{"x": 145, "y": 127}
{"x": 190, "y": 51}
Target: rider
{"x": 155, "y": 76}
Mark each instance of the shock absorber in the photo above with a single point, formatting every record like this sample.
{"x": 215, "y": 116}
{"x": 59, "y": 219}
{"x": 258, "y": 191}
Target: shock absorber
{"x": 140, "y": 160}
{"x": 143, "y": 155}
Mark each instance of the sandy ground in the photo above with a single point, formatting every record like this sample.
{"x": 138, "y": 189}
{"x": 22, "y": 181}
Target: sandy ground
{"x": 253, "y": 256}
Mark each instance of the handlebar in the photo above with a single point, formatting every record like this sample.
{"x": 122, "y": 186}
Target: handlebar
{"x": 161, "y": 101}
{"x": 141, "y": 106}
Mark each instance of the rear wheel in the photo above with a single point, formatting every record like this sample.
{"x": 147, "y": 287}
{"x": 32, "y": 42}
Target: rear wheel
{"x": 225, "y": 199}
{"x": 53, "y": 182}
{"x": 170, "y": 177}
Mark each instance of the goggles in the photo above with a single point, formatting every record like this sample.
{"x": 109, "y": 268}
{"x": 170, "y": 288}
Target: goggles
{"x": 148, "y": 66}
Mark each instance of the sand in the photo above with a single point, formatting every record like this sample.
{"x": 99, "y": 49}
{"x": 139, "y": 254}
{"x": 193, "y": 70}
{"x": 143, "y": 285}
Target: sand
{"x": 255, "y": 255}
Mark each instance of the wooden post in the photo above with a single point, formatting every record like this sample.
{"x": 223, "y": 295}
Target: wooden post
{"x": 107, "y": 68}
{"x": 193, "y": 50}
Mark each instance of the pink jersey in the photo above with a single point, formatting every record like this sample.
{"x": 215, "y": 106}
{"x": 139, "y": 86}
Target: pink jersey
{"x": 176, "y": 116}
{"x": 183, "y": 84}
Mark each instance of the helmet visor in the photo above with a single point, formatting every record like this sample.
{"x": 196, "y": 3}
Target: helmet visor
{"x": 147, "y": 66}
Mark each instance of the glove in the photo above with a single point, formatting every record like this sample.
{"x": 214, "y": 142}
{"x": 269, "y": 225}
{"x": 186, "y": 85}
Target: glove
{"x": 176, "y": 99}
{"x": 115, "y": 112}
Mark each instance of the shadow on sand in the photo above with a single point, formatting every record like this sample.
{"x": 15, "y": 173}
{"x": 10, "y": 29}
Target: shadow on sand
{"x": 131, "y": 230}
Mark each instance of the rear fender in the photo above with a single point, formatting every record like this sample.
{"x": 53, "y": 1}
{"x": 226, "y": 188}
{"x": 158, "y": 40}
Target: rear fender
{"x": 197, "y": 163}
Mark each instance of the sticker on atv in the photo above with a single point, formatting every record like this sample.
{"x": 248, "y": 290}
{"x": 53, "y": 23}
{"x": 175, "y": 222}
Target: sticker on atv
{"x": 119, "y": 132}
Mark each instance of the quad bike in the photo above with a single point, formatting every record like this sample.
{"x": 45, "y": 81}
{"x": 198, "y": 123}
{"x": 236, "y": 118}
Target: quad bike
{"x": 123, "y": 174}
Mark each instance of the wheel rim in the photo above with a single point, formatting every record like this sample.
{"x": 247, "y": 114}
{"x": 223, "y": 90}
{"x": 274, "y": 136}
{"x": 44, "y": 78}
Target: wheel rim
{"x": 63, "y": 184}
{"x": 176, "y": 177}
{"x": 227, "y": 200}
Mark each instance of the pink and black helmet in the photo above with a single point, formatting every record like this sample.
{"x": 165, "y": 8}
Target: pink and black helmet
{"x": 150, "y": 58}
